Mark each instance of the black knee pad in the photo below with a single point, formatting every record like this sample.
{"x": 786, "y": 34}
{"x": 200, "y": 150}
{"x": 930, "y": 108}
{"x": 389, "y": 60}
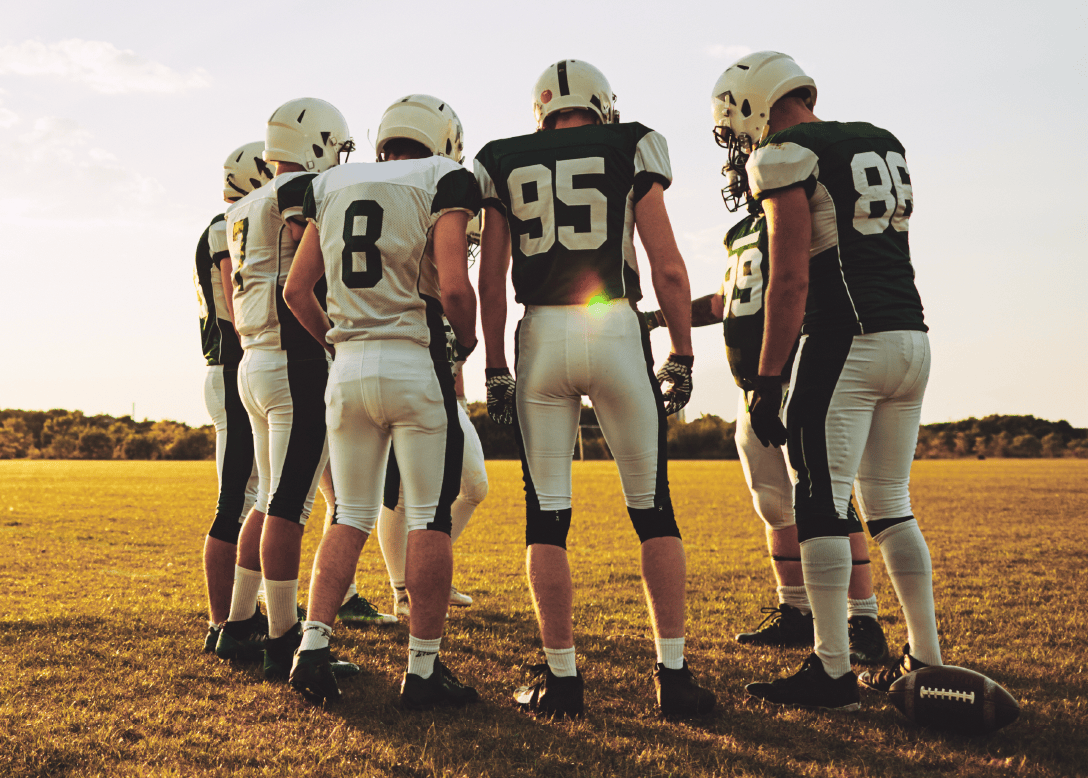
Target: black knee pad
{"x": 827, "y": 526}
{"x": 853, "y": 523}
{"x": 655, "y": 522}
{"x": 879, "y": 525}
{"x": 549, "y": 528}
{"x": 225, "y": 527}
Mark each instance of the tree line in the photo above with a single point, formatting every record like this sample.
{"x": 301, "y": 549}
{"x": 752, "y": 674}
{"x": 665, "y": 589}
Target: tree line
{"x": 61, "y": 434}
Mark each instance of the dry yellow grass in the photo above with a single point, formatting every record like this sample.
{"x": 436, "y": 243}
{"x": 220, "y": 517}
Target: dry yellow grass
{"x": 102, "y": 617}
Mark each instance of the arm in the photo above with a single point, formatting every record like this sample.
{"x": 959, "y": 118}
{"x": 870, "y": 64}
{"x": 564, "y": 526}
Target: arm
{"x": 451, "y": 260}
{"x": 226, "y": 275}
{"x": 789, "y": 235}
{"x": 709, "y": 309}
{"x": 297, "y": 228}
{"x": 494, "y": 266}
{"x": 298, "y": 290}
{"x": 668, "y": 273}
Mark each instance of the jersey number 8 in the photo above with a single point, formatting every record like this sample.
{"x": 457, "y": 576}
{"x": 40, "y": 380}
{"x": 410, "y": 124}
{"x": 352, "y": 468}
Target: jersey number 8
{"x": 373, "y": 214}
{"x": 531, "y": 201}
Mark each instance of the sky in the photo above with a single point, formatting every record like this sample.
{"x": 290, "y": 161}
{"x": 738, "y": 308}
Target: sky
{"x": 115, "y": 120}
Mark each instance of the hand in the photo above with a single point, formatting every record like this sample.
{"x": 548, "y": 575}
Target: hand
{"x": 677, "y": 373}
{"x": 456, "y": 352}
{"x": 500, "y": 395}
{"x": 652, "y": 320}
{"x": 765, "y": 410}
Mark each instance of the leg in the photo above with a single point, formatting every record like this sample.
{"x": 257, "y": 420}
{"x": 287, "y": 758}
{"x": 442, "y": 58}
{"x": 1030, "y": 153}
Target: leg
{"x": 623, "y": 388}
{"x": 828, "y": 417}
{"x": 884, "y": 491}
{"x": 548, "y": 409}
{"x": 298, "y": 451}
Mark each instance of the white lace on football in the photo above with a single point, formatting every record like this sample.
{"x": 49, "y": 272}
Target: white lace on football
{"x": 947, "y": 694}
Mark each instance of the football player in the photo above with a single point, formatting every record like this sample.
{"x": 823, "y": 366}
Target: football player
{"x": 838, "y": 201}
{"x": 765, "y": 468}
{"x": 243, "y": 171}
{"x": 392, "y": 527}
{"x": 281, "y": 378}
{"x": 390, "y": 239}
{"x": 565, "y": 201}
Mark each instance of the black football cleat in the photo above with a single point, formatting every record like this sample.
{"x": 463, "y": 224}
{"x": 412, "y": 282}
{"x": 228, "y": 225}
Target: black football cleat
{"x": 440, "y": 689}
{"x": 279, "y": 654}
{"x": 882, "y": 680}
{"x": 211, "y": 638}
{"x": 550, "y": 696}
{"x": 784, "y": 626}
{"x": 243, "y": 640}
{"x": 312, "y": 676}
{"x": 868, "y": 646}
{"x": 811, "y": 687}
{"x": 679, "y": 696}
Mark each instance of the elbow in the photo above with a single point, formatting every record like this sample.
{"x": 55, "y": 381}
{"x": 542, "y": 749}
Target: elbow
{"x": 291, "y": 296}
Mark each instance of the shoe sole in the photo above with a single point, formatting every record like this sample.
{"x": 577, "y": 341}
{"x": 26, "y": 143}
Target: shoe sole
{"x": 849, "y": 708}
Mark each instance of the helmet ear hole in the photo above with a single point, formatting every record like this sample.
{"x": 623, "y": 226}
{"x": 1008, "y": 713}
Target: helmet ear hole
{"x": 745, "y": 109}
{"x": 318, "y": 151}
{"x": 449, "y": 146}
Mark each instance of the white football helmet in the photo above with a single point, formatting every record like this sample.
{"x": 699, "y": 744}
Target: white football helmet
{"x": 245, "y": 171}
{"x": 308, "y": 132}
{"x": 570, "y": 84}
{"x": 743, "y": 96}
{"x": 424, "y": 119}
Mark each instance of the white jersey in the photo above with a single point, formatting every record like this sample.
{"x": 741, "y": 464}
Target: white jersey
{"x": 261, "y": 251}
{"x": 375, "y": 221}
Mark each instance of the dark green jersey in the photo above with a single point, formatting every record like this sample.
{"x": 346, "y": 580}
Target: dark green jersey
{"x": 569, "y": 197}
{"x": 742, "y": 291}
{"x": 855, "y": 176}
{"x": 217, "y": 336}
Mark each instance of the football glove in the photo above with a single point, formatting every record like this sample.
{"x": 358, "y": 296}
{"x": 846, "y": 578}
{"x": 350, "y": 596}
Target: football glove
{"x": 677, "y": 373}
{"x": 500, "y": 395}
{"x": 765, "y": 411}
{"x": 456, "y": 353}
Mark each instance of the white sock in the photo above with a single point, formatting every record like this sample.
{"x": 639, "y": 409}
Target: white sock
{"x": 421, "y": 655}
{"x": 826, "y": 564}
{"x": 866, "y": 607}
{"x": 243, "y": 598}
{"x": 670, "y": 652}
{"x": 906, "y": 557}
{"x": 315, "y": 635}
{"x": 795, "y": 597}
{"x": 352, "y": 591}
{"x": 561, "y": 662}
{"x": 282, "y": 606}
{"x": 392, "y": 532}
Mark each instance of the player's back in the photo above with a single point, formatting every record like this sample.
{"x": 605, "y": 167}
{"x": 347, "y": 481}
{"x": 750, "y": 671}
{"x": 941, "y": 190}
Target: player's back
{"x": 262, "y": 250}
{"x": 375, "y": 221}
{"x": 856, "y": 178}
{"x": 569, "y": 197}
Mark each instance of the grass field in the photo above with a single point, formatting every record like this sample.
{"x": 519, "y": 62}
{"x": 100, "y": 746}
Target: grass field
{"x": 103, "y": 614}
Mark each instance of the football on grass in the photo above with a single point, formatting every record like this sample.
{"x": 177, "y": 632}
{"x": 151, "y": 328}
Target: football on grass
{"x": 954, "y": 699}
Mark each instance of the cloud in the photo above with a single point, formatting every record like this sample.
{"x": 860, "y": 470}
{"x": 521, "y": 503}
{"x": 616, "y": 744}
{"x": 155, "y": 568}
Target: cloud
{"x": 721, "y": 51}
{"x": 7, "y": 118}
{"x": 53, "y": 168}
{"x": 96, "y": 64}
